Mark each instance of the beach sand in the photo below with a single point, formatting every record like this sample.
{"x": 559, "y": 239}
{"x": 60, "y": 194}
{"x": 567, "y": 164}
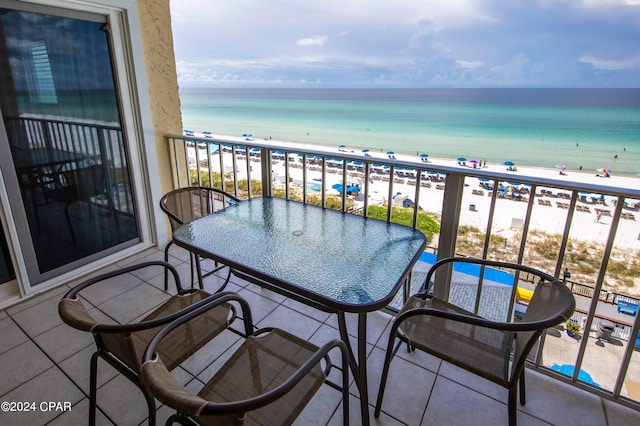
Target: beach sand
{"x": 549, "y": 218}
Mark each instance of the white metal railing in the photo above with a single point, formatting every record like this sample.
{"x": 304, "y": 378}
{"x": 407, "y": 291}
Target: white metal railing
{"x": 251, "y": 168}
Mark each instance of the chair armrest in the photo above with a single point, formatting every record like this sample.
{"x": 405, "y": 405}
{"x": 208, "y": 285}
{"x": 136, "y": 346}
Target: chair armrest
{"x": 167, "y": 390}
{"x": 74, "y": 313}
{"x": 102, "y": 277}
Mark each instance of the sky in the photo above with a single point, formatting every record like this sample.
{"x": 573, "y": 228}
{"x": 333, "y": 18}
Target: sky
{"x": 407, "y": 43}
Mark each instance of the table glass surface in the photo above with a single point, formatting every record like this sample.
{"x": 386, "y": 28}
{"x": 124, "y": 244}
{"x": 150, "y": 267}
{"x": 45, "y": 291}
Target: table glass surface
{"x": 341, "y": 258}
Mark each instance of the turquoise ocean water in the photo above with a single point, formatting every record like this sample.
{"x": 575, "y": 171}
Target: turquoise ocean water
{"x": 533, "y": 127}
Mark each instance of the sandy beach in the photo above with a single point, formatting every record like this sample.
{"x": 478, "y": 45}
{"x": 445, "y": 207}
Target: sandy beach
{"x": 548, "y": 214}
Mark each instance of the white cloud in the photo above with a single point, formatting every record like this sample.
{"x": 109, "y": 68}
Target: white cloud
{"x": 404, "y": 42}
{"x": 610, "y": 65}
{"x": 469, "y": 65}
{"x": 315, "y": 40}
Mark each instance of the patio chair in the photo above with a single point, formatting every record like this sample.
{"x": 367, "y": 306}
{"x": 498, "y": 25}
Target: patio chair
{"x": 267, "y": 380}
{"x": 489, "y": 346}
{"x": 184, "y": 205}
{"x": 122, "y": 345}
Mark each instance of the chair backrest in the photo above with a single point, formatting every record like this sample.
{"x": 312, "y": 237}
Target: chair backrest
{"x": 552, "y": 303}
{"x": 187, "y": 204}
{"x": 126, "y": 341}
{"x": 80, "y": 184}
{"x": 493, "y": 283}
{"x": 92, "y": 180}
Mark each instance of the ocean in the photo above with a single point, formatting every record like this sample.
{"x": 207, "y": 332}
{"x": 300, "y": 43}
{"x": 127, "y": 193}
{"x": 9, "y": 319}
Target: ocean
{"x": 581, "y": 128}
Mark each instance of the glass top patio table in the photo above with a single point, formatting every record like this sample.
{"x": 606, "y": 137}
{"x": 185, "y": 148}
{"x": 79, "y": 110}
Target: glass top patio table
{"x": 327, "y": 259}
{"x": 342, "y": 261}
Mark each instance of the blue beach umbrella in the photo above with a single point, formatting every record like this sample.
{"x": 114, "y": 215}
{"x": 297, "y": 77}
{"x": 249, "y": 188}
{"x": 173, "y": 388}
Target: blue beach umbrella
{"x": 424, "y": 155}
{"x": 365, "y": 150}
{"x": 509, "y": 163}
{"x": 461, "y": 159}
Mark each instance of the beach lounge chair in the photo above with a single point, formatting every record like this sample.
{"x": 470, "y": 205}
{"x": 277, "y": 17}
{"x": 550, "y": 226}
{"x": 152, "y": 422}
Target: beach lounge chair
{"x": 267, "y": 380}
{"x": 122, "y": 344}
{"x": 187, "y": 204}
{"x": 484, "y": 345}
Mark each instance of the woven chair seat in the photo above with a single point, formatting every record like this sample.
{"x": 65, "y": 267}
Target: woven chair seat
{"x": 484, "y": 351}
{"x": 183, "y": 343}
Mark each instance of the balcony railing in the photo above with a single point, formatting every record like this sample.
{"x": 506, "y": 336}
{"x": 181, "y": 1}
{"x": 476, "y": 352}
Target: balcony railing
{"x": 98, "y": 143}
{"x": 405, "y": 191}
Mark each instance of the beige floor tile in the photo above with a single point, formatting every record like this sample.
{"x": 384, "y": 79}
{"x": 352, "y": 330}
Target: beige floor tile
{"x": 21, "y": 364}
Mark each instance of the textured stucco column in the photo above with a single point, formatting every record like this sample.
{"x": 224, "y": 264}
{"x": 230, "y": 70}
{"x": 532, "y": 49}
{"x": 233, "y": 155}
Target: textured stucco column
{"x": 160, "y": 65}
{"x": 162, "y": 83}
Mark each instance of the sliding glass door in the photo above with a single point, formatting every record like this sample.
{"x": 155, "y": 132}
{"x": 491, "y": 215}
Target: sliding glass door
{"x": 63, "y": 150}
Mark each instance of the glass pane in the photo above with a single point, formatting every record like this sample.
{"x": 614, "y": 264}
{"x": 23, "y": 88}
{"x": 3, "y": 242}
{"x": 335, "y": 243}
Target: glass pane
{"x": 6, "y": 267}
{"x": 61, "y": 113}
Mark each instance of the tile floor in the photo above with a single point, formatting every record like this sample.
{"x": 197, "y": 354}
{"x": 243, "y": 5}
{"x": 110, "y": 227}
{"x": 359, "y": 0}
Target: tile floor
{"x": 42, "y": 359}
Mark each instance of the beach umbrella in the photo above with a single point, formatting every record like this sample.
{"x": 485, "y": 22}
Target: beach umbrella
{"x": 482, "y": 179}
{"x": 461, "y": 159}
{"x": 603, "y": 170}
{"x": 390, "y": 152}
{"x": 509, "y": 163}
{"x": 426, "y": 155}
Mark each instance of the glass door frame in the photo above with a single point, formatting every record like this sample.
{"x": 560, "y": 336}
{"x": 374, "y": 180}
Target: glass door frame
{"x": 128, "y": 67}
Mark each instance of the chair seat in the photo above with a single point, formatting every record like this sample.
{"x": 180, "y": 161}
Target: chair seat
{"x": 261, "y": 364}
{"x": 481, "y": 350}
{"x": 183, "y": 343}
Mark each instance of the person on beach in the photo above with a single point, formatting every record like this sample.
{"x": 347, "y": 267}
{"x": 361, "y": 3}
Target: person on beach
{"x": 598, "y": 216}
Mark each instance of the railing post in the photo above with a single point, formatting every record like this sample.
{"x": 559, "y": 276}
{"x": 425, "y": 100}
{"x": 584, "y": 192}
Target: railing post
{"x": 265, "y": 163}
{"x": 454, "y": 186}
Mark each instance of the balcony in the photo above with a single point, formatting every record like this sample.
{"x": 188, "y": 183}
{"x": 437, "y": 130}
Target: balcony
{"x": 544, "y": 222}
{"x": 37, "y": 339}
{"x": 55, "y": 361}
